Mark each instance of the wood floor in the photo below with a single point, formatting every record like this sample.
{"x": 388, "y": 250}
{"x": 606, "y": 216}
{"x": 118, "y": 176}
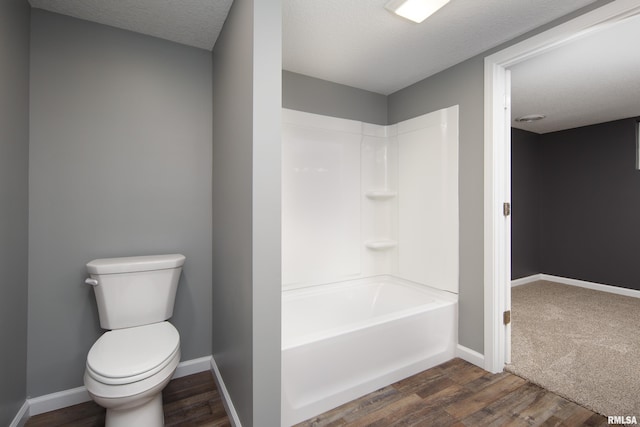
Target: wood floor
{"x": 454, "y": 394}
{"x": 459, "y": 394}
{"x": 188, "y": 401}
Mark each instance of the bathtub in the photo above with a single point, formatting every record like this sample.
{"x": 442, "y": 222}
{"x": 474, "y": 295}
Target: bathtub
{"x": 343, "y": 340}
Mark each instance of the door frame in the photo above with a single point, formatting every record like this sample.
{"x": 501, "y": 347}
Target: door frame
{"x": 497, "y": 165}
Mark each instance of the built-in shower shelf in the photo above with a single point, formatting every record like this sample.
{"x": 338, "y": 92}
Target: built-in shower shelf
{"x": 380, "y": 245}
{"x": 380, "y": 194}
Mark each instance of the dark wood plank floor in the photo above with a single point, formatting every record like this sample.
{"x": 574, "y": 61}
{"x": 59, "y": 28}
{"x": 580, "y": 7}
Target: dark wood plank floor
{"x": 459, "y": 394}
{"x": 454, "y": 394}
{"x": 193, "y": 400}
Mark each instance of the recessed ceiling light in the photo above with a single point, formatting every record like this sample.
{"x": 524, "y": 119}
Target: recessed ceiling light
{"x": 530, "y": 118}
{"x": 415, "y": 10}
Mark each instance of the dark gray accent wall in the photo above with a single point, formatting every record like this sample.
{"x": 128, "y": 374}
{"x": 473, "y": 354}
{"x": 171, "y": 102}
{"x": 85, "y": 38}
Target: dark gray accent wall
{"x": 525, "y": 204}
{"x": 586, "y": 187}
{"x": 590, "y": 198}
{"x": 120, "y": 164}
{"x": 312, "y": 95}
{"x": 14, "y": 179}
{"x": 246, "y": 209}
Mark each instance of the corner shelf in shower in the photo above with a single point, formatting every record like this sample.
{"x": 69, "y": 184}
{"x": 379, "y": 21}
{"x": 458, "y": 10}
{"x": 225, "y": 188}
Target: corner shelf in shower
{"x": 380, "y": 194}
{"x": 381, "y": 245}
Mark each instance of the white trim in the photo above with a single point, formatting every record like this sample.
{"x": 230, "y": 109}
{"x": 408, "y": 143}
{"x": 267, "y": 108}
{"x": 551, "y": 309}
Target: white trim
{"x": 496, "y": 257}
{"x": 470, "y": 356}
{"x": 192, "y": 366}
{"x": 62, "y": 399}
{"x": 525, "y": 280}
{"x": 21, "y": 417}
{"x": 575, "y": 282}
{"x": 496, "y": 167}
{"x": 592, "y": 285}
{"x": 58, "y": 400}
{"x": 226, "y": 398}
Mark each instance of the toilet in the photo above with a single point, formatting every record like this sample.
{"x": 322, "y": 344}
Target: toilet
{"x": 129, "y": 365}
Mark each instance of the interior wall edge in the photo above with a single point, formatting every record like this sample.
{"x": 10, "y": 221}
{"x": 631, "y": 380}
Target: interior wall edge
{"x": 14, "y": 206}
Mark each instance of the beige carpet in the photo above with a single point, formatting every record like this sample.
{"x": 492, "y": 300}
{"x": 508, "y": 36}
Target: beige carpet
{"x": 579, "y": 343}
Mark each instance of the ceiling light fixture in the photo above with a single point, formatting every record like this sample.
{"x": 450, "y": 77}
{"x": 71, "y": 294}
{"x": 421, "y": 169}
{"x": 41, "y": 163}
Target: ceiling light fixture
{"x": 530, "y": 118}
{"x": 415, "y": 10}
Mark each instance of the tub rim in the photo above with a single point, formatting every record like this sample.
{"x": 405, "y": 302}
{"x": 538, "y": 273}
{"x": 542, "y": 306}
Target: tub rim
{"x": 440, "y": 298}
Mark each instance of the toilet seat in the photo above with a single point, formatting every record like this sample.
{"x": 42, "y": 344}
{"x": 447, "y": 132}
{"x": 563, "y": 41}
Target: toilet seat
{"x": 124, "y": 356}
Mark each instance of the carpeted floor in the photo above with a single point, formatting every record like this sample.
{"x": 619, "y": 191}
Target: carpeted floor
{"x": 579, "y": 343}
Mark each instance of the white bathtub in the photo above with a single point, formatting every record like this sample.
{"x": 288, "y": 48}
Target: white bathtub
{"x": 347, "y": 339}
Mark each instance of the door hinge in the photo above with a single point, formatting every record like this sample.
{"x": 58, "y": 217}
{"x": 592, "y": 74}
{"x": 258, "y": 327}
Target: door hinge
{"x": 506, "y": 208}
{"x": 506, "y": 317}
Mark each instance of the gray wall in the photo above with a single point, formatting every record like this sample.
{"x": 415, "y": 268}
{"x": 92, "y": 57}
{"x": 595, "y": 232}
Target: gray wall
{"x": 525, "y": 204}
{"x": 246, "y": 209}
{"x": 120, "y": 164}
{"x": 585, "y": 185}
{"x": 14, "y": 156}
{"x": 304, "y": 93}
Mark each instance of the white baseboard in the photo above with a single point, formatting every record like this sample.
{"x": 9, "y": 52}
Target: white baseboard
{"x": 470, "y": 356}
{"x": 580, "y": 283}
{"x": 525, "y": 280}
{"x": 65, "y": 398}
{"x": 591, "y": 285}
{"x": 60, "y": 399}
{"x": 226, "y": 398}
{"x": 21, "y": 417}
{"x": 193, "y": 366}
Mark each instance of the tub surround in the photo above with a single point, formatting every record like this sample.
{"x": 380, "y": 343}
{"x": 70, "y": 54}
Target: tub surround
{"x": 369, "y": 255}
{"x": 360, "y": 199}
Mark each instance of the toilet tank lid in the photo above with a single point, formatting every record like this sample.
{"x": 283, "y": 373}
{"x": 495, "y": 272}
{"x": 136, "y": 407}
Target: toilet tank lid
{"x": 135, "y": 263}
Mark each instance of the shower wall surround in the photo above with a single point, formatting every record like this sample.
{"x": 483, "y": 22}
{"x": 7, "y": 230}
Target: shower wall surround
{"x": 361, "y": 199}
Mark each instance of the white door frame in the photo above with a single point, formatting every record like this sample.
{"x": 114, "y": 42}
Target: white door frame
{"x": 497, "y": 164}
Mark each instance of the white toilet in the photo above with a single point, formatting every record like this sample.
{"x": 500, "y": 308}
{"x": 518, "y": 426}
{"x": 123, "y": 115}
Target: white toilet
{"x": 128, "y": 366}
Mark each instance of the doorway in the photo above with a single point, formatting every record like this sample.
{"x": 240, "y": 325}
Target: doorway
{"x": 497, "y": 234}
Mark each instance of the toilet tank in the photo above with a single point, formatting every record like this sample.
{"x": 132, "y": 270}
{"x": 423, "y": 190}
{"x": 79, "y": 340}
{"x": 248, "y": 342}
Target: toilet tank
{"x": 135, "y": 291}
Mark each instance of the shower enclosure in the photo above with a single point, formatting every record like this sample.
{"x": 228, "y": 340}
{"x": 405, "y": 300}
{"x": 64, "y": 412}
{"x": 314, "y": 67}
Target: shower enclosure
{"x": 369, "y": 255}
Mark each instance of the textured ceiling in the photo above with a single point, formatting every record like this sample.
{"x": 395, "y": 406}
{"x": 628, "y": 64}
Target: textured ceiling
{"x": 361, "y": 44}
{"x": 192, "y": 22}
{"x": 591, "y": 80}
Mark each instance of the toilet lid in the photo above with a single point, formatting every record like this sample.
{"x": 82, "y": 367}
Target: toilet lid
{"x": 131, "y": 352}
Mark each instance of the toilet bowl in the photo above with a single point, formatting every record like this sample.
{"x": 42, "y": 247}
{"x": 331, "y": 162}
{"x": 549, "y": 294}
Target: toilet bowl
{"x": 128, "y": 368}
{"x": 129, "y": 365}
